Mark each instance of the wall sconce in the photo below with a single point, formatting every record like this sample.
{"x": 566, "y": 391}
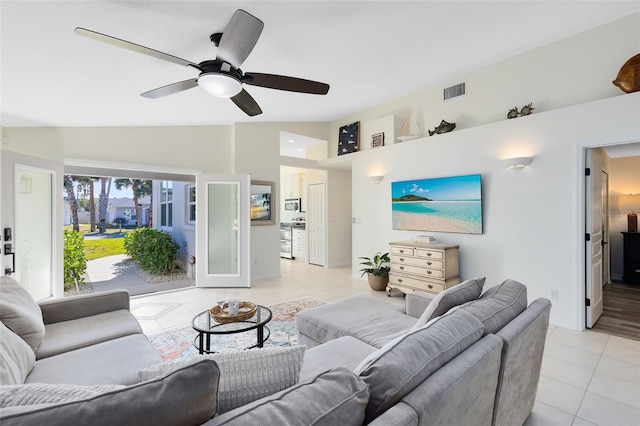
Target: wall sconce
{"x": 518, "y": 162}
{"x": 630, "y": 203}
{"x": 376, "y": 179}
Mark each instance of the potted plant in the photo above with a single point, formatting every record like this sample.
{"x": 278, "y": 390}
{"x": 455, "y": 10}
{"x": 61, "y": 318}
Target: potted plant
{"x": 377, "y": 270}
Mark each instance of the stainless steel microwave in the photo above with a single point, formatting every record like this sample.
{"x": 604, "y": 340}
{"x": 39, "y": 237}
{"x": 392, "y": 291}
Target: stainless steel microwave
{"x": 293, "y": 204}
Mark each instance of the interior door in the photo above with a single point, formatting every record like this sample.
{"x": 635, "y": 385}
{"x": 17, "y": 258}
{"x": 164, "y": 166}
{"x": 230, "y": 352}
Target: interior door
{"x": 606, "y": 250}
{"x": 32, "y": 209}
{"x": 316, "y": 224}
{"x": 222, "y": 231}
{"x": 593, "y": 247}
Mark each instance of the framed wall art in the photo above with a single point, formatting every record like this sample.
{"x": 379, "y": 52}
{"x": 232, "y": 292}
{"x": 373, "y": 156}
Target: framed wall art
{"x": 377, "y": 140}
{"x": 349, "y": 138}
{"x": 262, "y": 194}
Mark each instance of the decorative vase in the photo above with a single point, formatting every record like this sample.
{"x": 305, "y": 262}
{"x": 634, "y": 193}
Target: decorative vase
{"x": 628, "y": 79}
{"x": 377, "y": 282}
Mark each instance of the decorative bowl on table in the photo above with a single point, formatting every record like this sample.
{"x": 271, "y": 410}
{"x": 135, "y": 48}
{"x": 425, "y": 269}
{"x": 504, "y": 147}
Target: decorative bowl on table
{"x": 245, "y": 311}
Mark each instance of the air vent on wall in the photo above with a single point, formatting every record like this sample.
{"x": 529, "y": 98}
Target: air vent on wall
{"x": 453, "y": 91}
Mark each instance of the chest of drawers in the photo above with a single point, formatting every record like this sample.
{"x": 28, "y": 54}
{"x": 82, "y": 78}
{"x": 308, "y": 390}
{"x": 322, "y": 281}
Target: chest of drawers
{"x": 429, "y": 267}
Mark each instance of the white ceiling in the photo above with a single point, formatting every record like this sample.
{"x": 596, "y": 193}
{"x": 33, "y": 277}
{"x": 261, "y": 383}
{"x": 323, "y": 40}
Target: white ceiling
{"x": 369, "y": 52}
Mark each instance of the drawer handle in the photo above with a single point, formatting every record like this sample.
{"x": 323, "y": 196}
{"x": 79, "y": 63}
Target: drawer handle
{"x": 429, "y": 263}
{"x": 401, "y": 251}
{"x": 402, "y": 259}
{"x": 429, "y": 285}
{"x": 429, "y": 272}
{"x": 399, "y": 280}
{"x": 401, "y": 267}
{"x": 428, "y": 253}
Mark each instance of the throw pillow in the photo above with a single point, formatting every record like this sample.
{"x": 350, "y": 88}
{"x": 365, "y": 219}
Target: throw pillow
{"x": 16, "y": 358}
{"x": 457, "y": 295}
{"x": 20, "y": 313}
{"x": 245, "y": 376}
{"x": 186, "y": 396}
{"x": 44, "y": 393}
{"x": 402, "y": 364}
{"x": 498, "y": 305}
{"x": 333, "y": 397}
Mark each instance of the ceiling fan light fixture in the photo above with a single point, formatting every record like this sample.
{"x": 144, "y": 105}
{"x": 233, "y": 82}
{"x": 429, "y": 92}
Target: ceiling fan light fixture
{"x": 219, "y": 85}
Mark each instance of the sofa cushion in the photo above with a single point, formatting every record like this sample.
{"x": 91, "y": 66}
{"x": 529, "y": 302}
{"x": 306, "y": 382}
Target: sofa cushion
{"x": 464, "y": 292}
{"x": 40, "y": 393}
{"x": 112, "y": 362}
{"x": 498, "y": 305}
{"x": 186, "y": 396}
{"x": 20, "y": 313}
{"x": 397, "y": 368}
{"x": 343, "y": 352}
{"x": 334, "y": 397}
{"x": 66, "y": 336}
{"x": 373, "y": 321}
{"x": 16, "y": 357}
{"x": 245, "y": 376}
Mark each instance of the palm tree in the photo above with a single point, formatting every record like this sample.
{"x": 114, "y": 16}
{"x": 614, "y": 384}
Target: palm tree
{"x": 103, "y": 203}
{"x": 68, "y": 181}
{"x": 140, "y": 188}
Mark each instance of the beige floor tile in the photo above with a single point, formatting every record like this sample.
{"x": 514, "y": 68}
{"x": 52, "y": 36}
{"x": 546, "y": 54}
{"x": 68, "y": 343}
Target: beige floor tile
{"x": 589, "y": 341}
{"x": 582, "y": 422}
{"x": 616, "y": 389}
{"x": 566, "y": 372}
{"x": 546, "y": 415}
{"x": 607, "y": 412}
{"x": 623, "y": 349}
{"x": 619, "y": 369}
{"x": 575, "y": 356}
{"x": 559, "y": 395}
{"x": 150, "y": 326}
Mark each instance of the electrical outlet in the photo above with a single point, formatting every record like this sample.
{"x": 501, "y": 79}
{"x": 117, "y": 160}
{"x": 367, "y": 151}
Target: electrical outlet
{"x": 554, "y": 294}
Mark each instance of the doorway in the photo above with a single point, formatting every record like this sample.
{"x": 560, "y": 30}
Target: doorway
{"x": 619, "y": 175}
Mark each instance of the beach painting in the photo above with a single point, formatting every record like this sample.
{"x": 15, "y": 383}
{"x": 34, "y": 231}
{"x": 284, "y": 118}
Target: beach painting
{"x": 449, "y": 204}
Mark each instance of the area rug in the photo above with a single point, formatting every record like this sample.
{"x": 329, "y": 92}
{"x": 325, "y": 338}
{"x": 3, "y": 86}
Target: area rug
{"x": 178, "y": 343}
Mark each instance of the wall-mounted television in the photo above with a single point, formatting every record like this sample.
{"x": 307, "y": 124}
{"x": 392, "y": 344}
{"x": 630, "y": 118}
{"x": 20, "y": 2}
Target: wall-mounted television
{"x": 447, "y": 204}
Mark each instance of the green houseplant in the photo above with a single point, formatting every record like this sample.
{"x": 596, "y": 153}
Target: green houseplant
{"x": 377, "y": 270}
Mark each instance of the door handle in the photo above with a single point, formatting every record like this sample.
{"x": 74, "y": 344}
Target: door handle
{"x": 8, "y": 251}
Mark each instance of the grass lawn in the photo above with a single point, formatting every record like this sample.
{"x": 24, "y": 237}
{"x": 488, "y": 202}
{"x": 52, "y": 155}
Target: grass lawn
{"x": 95, "y": 249}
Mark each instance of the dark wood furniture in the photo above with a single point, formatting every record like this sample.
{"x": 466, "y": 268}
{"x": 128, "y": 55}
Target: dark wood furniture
{"x": 631, "y": 257}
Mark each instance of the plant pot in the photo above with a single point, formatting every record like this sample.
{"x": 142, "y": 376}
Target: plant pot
{"x": 377, "y": 282}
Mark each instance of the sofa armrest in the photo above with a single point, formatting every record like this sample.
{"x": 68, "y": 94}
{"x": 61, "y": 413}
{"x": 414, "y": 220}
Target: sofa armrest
{"x": 415, "y": 303}
{"x": 70, "y": 308}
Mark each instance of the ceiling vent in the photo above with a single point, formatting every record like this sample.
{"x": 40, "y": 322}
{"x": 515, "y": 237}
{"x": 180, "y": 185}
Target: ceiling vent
{"x": 453, "y": 91}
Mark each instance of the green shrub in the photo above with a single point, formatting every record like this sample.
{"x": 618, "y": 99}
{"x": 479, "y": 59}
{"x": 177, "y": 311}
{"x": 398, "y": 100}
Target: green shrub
{"x": 75, "y": 263}
{"x": 155, "y": 251}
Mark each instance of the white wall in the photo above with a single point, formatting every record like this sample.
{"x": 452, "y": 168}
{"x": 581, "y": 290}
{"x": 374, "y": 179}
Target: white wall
{"x": 575, "y": 70}
{"x": 531, "y": 217}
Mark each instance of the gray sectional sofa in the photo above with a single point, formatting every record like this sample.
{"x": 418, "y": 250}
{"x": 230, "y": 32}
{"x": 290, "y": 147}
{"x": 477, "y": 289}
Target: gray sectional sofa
{"x": 460, "y": 358}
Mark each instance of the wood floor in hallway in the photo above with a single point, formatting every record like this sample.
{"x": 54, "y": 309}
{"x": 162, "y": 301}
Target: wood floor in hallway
{"x": 621, "y": 314}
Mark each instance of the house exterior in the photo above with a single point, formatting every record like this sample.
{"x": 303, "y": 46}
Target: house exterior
{"x": 534, "y": 227}
{"x": 117, "y": 207}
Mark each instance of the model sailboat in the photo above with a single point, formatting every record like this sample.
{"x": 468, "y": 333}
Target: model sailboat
{"x": 409, "y": 130}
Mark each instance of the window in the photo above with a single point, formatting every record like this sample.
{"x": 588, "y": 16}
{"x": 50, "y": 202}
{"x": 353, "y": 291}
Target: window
{"x": 191, "y": 203}
{"x": 166, "y": 203}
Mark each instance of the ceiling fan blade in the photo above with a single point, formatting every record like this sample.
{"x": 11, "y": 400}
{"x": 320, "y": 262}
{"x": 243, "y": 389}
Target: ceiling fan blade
{"x": 170, "y": 89}
{"x": 246, "y": 103}
{"x": 239, "y": 38}
{"x": 134, "y": 47}
{"x": 281, "y": 82}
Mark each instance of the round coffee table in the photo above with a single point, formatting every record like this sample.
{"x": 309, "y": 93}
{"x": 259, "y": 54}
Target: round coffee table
{"x": 205, "y": 325}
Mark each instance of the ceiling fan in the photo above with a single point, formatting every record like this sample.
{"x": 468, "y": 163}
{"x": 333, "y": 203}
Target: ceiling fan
{"x": 222, "y": 77}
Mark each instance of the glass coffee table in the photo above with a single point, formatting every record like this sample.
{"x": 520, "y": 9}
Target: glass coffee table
{"x": 206, "y": 326}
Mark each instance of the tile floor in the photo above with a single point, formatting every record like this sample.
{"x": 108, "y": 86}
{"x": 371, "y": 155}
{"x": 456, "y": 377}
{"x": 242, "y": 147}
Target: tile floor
{"x": 588, "y": 378}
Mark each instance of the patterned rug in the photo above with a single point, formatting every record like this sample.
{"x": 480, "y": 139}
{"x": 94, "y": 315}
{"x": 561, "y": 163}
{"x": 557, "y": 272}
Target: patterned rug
{"x": 178, "y": 343}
